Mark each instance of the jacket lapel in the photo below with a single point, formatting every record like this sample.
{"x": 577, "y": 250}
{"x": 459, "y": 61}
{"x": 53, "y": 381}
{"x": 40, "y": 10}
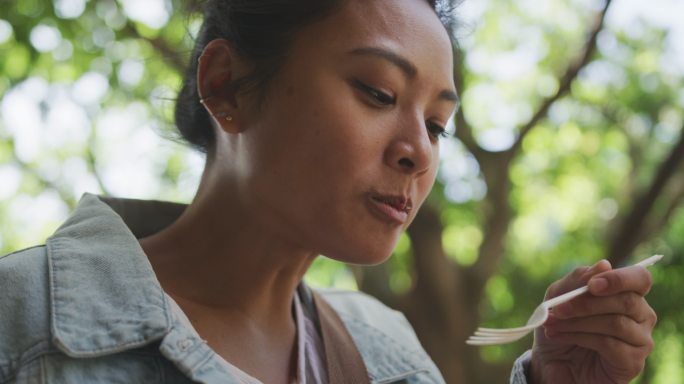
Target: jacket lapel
{"x": 92, "y": 312}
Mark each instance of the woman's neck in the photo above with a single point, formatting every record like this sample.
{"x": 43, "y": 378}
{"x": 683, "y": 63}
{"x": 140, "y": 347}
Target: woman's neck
{"x": 234, "y": 279}
{"x": 218, "y": 256}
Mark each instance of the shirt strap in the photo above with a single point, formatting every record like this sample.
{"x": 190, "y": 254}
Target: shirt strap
{"x": 343, "y": 360}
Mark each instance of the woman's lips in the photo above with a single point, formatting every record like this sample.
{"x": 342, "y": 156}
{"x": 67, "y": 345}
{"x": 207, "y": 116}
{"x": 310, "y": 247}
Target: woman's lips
{"x": 392, "y": 209}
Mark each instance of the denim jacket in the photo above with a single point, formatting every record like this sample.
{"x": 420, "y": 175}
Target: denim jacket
{"x": 87, "y": 308}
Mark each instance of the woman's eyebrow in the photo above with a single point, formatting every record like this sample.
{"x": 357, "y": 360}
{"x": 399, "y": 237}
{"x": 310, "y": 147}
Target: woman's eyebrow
{"x": 404, "y": 65}
{"x": 450, "y": 96}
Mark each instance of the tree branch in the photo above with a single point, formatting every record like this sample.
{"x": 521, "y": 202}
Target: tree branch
{"x": 628, "y": 235}
{"x": 437, "y": 290}
{"x": 497, "y": 221}
{"x": 662, "y": 222}
{"x": 434, "y": 275}
{"x": 92, "y": 164}
{"x": 464, "y": 131}
{"x": 171, "y": 55}
{"x": 564, "y": 87}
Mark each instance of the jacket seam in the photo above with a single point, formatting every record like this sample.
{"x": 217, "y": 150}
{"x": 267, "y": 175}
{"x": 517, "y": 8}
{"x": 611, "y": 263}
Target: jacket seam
{"x": 43, "y": 372}
{"x": 5, "y": 367}
{"x": 202, "y": 361}
{"x": 387, "y": 380}
{"x": 119, "y": 348}
{"x": 25, "y": 359}
{"x": 160, "y": 369}
{"x": 22, "y": 251}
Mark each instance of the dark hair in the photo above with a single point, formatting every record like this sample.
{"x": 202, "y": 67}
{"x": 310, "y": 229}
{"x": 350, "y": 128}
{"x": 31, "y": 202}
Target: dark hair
{"x": 260, "y": 31}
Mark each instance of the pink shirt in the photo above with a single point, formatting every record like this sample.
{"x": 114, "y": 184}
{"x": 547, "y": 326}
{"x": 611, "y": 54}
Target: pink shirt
{"x": 311, "y": 368}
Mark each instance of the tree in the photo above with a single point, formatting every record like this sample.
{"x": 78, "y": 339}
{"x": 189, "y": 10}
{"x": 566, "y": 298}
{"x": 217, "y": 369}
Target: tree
{"x": 571, "y": 156}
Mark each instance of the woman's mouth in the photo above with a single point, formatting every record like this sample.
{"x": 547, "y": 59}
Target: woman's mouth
{"x": 390, "y": 208}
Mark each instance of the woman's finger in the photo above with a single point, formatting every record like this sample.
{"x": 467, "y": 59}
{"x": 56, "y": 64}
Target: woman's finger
{"x": 635, "y": 279}
{"x": 630, "y": 304}
{"x": 620, "y": 327}
{"x": 577, "y": 278}
{"x": 621, "y": 358}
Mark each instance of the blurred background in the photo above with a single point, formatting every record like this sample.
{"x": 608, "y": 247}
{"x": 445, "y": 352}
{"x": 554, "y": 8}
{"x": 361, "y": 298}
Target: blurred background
{"x": 568, "y": 149}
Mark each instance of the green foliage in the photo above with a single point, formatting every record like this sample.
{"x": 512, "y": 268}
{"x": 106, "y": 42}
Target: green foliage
{"x": 579, "y": 171}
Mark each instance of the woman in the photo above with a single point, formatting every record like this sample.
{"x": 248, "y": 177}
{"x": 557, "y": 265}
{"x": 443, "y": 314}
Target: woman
{"x": 321, "y": 122}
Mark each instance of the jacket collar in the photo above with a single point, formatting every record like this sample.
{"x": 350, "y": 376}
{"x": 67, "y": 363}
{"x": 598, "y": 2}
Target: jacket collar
{"x": 92, "y": 313}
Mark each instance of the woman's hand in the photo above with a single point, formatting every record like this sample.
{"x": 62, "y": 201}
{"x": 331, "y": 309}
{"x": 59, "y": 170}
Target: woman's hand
{"x": 600, "y": 337}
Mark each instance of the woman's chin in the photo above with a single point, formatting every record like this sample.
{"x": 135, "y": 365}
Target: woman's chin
{"x": 364, "y": 255}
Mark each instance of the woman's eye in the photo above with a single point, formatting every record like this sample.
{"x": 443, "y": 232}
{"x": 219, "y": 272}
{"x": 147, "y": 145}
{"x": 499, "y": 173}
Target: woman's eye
{"x": 377, "y": 95}
{"x": 436, "y": 130}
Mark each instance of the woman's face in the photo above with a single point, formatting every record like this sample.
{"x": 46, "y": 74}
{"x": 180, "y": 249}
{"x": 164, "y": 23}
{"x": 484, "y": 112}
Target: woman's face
{"x": 344, "y": 150}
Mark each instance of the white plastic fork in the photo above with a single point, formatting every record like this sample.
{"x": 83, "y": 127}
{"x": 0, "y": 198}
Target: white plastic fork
{"x": 495, "y": 336}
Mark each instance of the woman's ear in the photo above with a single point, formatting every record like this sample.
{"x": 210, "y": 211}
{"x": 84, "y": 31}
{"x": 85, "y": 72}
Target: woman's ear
{"x": 216, "y": 70}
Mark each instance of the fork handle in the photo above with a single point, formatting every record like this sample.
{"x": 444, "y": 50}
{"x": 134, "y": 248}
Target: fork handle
{"x": 574, "y": 293}
{"x": 566, "y": 297}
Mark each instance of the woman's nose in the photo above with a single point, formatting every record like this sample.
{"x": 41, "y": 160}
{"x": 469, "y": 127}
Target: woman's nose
{"x": 410, "y": 153}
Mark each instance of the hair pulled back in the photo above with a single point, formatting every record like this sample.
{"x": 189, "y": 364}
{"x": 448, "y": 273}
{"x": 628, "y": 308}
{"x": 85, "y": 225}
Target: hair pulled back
{"x": 260, "y": 31}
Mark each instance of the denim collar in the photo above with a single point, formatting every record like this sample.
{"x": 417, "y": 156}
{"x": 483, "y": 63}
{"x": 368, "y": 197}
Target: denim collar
{"x": 92, "y": 312}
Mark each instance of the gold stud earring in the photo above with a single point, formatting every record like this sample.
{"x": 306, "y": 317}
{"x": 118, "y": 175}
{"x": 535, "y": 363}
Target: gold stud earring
{"x": 224, "y": 115}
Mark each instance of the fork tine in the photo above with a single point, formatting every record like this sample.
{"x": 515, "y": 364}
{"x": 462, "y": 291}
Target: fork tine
{"x": 473, "y": 340}
{"x": 483, "y": 343}
{"x": 513, "y": 336}
{"x": 488, "y": 337}
{"x": 498, "y": 334}
{"x": 483, "y": 338}
{"x": 505, "y": 330}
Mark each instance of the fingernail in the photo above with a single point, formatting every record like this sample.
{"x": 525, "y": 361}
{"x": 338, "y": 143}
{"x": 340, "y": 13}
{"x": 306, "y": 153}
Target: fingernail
{"x": 598, "y": 285}
{"x": 600, "y": 262}
{"x": 590, "y": 270}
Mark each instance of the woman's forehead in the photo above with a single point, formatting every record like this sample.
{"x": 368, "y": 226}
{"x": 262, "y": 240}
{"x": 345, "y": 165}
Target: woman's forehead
{"x": 408, "y": 28}
{"x": 401, "y": 19}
